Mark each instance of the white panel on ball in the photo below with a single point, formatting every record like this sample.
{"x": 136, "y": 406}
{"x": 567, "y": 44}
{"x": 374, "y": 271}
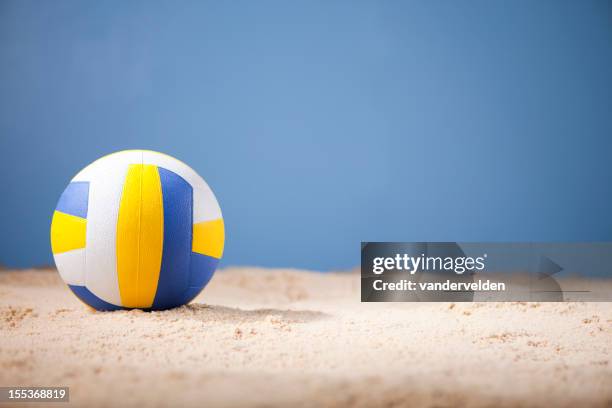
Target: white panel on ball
{"x": 106, "y": 178}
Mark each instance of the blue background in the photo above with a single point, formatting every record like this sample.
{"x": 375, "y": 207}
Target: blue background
{"x": 319, "y": 124}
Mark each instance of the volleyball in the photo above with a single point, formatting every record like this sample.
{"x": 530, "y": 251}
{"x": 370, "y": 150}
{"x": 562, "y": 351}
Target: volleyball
{"x": 137, "y": 229}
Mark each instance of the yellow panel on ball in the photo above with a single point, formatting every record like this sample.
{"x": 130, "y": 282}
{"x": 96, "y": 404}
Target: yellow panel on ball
{"x": 140, "y": 235}
{"x": 67, "y": 232}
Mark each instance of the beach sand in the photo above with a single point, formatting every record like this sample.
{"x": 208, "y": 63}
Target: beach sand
{"x": 258, "y": 337}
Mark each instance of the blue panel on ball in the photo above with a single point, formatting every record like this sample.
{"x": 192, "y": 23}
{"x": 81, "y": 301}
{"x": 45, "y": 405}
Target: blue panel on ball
{"x": 74, "y": 199}
{"x": 202, "y": 269}
{"x": 92, "y": 300}
{"x": 177, "y": 197}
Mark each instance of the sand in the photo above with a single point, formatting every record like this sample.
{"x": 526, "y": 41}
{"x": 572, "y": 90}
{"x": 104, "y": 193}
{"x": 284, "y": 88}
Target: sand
{"x": 259, "y": 337}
